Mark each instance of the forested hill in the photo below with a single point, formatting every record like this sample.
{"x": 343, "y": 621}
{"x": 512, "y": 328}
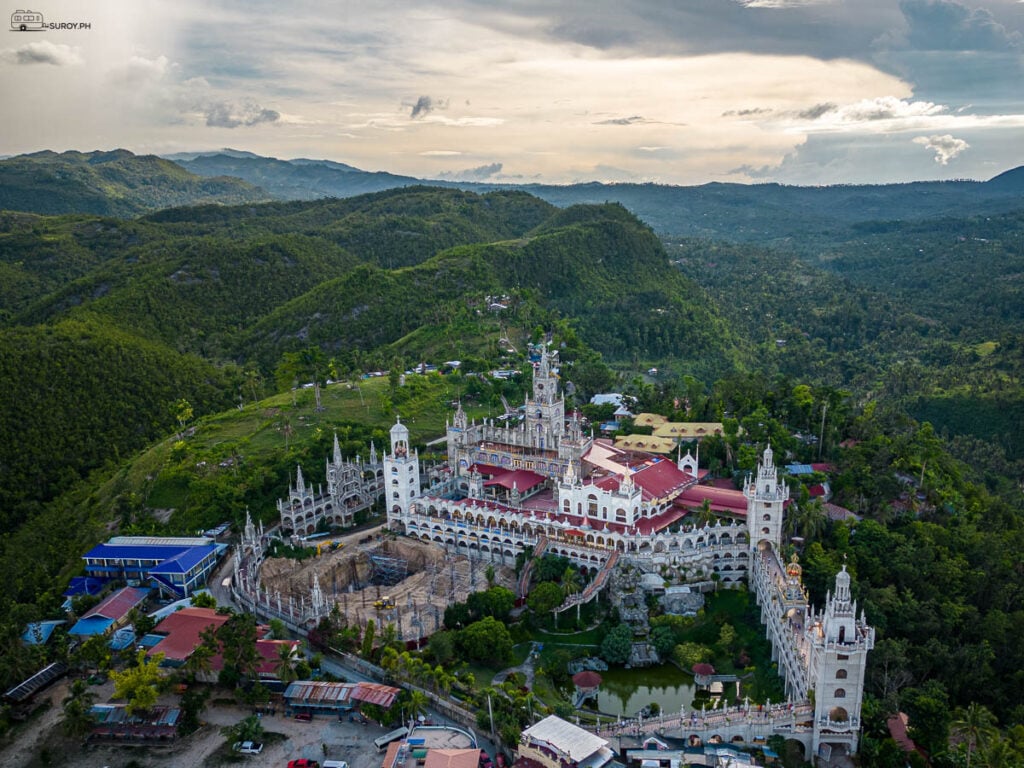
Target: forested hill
{"x": 116, "y": 183}
{"x": 145, "y": 308}
{"x": 597, "y": 265}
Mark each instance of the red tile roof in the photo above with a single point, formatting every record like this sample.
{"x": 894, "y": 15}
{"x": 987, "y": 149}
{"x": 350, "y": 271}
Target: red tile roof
{"x": 661, "y": 479}
{"x": 183, "y": 629}
{"x": 522, "y": 479}
{"x": 722, "y": 499}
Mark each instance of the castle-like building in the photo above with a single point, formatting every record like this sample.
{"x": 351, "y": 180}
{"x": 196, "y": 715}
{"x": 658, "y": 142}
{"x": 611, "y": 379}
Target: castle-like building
{"x": 542, "y": 484}
{"x": 351, "y": 486}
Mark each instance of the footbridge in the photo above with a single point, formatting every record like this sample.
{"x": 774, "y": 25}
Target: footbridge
{"x": 743, "y": 726}
{"x": 593, "y": 588}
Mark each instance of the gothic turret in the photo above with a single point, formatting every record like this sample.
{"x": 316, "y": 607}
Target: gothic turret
{"x": 840, "y": 642}
{"x": 766, "y": 498}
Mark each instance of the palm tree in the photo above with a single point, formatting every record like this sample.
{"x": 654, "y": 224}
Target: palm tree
{"x": 975, "y": 725}
{"x": 77, "y": 718}
{"x": 285, "y": 666}
{"x": 999, "y": 754}
{"x": 571, "y": 581}
{"x": 417, "y": 704}
{"x": 199, "y": 662}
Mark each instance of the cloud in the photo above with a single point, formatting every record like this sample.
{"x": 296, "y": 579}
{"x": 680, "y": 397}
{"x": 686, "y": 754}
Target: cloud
{"x": 780, "y": 3}
{"x": 945, "y": 147}
{"x": 44, "y": 52}
{"x": 140, "y": 71}
{"x": 480, "y": 173}
{"x": 633, "y": 120}
{"x": 425, "y": 105}
{"x": 440, "y": 153}
{"x": 746, "y": 112}
{"x": 818, "y": 110}
{"x": 946, "y": 25}
{"x": 225, "y": 114}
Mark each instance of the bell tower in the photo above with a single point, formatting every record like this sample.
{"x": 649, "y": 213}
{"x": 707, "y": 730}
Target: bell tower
{"x": 839, "y": 645}
{"x": 765, "y": 501}
{"x": 401, "y": 475}
{"x": 545, "y": 412}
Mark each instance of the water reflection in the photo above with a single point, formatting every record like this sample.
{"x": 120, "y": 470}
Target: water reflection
{"x": 626, "y": 691}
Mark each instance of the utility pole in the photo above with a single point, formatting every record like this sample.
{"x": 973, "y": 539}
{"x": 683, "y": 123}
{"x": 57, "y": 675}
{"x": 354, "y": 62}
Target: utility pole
{"x": 821, "y": 439}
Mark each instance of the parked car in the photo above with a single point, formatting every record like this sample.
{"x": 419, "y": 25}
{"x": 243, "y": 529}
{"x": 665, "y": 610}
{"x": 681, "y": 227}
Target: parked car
{"x": 303, "y": 763}
{"x": 247, "y": 747}
{"x": 305, "y": 717}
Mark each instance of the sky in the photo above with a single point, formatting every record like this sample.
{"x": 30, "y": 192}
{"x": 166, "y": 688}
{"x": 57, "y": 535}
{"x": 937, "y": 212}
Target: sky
{"x": 803, "y": 92}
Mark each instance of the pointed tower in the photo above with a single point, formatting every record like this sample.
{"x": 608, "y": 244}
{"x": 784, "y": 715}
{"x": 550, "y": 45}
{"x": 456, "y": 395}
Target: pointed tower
{"x": 401, "y": 476}
{"x": 766, "y": 498}
{"x": 545, "y": 413}
{"x": 840, "y": 642}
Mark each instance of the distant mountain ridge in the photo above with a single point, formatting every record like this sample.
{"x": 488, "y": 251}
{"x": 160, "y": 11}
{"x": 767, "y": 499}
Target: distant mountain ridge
{"x": 115, "y": 183}
{"x": 738, "y": 212}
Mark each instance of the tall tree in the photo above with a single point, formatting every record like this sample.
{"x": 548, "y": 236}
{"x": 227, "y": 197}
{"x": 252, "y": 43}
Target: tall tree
{"x": 975, "y": 725}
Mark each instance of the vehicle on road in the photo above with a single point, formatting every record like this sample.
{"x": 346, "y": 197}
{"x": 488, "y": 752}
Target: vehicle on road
{"x": 381, "y": 742}
{"x": 305, "y": 717}
{"x": 303, "y": 762}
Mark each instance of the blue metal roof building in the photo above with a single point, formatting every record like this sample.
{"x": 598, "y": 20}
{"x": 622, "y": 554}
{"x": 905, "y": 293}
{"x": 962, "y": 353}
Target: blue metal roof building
{"x": 175, "y": 566}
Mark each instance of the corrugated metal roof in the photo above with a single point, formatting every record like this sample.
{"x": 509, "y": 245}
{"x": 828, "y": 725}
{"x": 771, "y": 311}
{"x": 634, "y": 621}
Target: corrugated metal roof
{"x": 185, "y": 561}
{"x": 565, "y": 737}
{"x": 117, "y": 605}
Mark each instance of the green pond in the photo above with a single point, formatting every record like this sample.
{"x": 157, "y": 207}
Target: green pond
{"x": 626, "y": 691}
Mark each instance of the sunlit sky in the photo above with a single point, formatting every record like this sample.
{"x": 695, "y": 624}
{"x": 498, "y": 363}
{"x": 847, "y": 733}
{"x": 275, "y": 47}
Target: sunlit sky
{"x": 670, "y": 91}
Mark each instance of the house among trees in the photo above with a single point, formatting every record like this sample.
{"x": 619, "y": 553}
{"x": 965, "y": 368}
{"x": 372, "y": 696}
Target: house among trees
{"x": 111, "y": 613}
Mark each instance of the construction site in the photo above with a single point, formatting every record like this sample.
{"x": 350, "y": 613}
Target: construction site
{"x": 397, "y": 581}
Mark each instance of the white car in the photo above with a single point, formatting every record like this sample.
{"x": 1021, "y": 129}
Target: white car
{"x": 248, "y": 747}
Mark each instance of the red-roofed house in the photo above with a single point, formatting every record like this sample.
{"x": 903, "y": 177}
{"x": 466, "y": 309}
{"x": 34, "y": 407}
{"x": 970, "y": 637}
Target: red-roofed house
{"x": 182, "y": 630}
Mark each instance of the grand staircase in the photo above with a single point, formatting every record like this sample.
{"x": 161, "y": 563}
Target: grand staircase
{"x": 524, "y": 577}
{"x": 593, "y": 588}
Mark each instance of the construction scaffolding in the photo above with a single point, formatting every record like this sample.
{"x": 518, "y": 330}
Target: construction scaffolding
{"x": 388, "y": 571}
{"x": 403, "y": 582}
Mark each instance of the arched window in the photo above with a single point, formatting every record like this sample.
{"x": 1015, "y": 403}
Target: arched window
{"x": 840, "y": 693}
{"x": 840, "y": 674}
{"x": 766, "y": 518}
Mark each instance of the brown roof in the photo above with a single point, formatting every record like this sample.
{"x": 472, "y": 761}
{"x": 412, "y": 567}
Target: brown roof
{"x": 897, "y": 725}
{"x": 452, "y": 758}
{"x": 586, "y": 679}
{"x": 182, "y": 629}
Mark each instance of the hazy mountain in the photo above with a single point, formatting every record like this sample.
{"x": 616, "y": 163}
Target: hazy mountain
{"x": 116, "y": 183}
{"x": 300, "y": 179}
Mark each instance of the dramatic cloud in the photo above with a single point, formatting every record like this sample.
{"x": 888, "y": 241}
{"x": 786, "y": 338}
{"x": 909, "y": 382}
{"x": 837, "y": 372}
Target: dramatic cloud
{"x": 946, "y": 25}
{"x": 480, "y": 173}
{"x": 223, "y": 114}
{"x": 945, "y": 147}
{"x": 43, "y": 52}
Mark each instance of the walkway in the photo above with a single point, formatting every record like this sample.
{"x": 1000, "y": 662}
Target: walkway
{"x": 526, "y": 668}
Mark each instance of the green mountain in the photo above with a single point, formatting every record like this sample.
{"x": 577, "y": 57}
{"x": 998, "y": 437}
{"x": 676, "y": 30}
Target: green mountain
{"x": 411, "y": 274}
{"x": 300, "y": 179}
{"x": 596, "y": 265}
{"x": 116, "y": 183}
